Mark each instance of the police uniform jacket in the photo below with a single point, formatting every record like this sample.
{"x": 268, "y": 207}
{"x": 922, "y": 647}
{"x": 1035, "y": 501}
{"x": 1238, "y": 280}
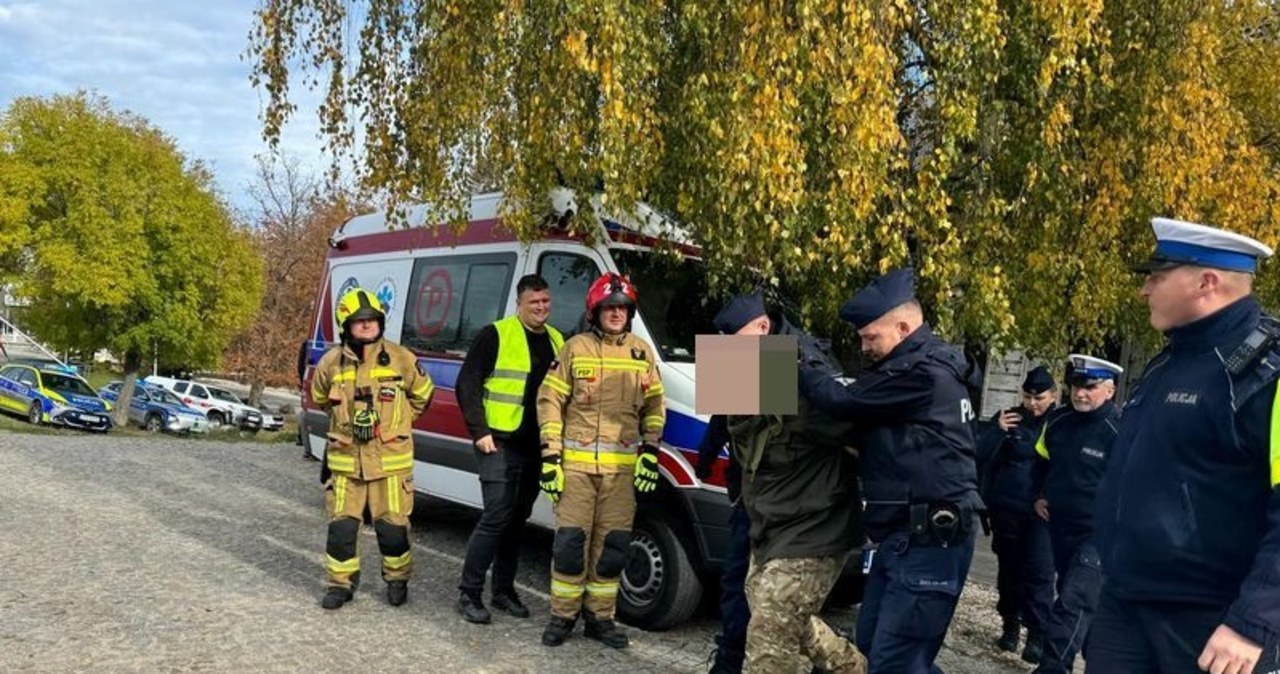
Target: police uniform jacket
{"x": 801, "y": 492}
{"x": 912, "y": 414}
{"x": 398, "y": 391}
{"x": 1188, "y": 510}
{"x": 1008, "y": 459}
{"x": 1074, "y": 447}
{"x": 601, "y": 398}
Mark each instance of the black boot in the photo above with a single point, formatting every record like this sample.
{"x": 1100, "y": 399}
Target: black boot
{"x": 509, "y": 603}
{"x": 472, "y": 609}
{"x": 397, "y": 592}
{"x": 557, "y": 631}
{"x": 1034, "y": 650}
{"x": 606, "y": 633}
{"x": 335, "y": 597}
{"x": 1011, "y": 635}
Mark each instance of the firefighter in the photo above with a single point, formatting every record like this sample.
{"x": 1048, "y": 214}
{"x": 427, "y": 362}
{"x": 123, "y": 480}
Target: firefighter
{"x": 373, "y": 390}
{"x": 600, "y": 416}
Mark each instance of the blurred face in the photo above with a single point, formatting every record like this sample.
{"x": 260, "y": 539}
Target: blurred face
{"x": 1039, "y": 403}
{"x": 1171, "y": 295}
{"x": 880, "y": 337}
{"x": 534, "y": 308}
{"x": 364, "y": 329}
{"x": 1091, "y": 397}
{"x": 613, "y": 318}
{"x": 758, "y": 326}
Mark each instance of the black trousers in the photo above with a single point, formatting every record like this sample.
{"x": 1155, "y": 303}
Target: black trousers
{"x": 509, "y": 486}
{"x": 1025, "y": 568}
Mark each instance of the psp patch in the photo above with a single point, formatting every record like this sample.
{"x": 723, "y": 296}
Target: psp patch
{"x": 584, "y": 372}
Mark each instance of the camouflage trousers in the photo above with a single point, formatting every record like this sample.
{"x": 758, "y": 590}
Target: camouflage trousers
{"x": 785, "y": 634}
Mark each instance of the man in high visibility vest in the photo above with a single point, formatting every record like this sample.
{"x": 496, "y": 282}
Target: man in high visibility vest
{"x": 372, "y": 389}
{"x": 600, "y": 412}
{"x": 497, "y": 391}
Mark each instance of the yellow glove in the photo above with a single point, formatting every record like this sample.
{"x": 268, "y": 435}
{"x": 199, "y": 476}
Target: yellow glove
{"x": 552, "y": 480}
{"x": 646, "y": 479}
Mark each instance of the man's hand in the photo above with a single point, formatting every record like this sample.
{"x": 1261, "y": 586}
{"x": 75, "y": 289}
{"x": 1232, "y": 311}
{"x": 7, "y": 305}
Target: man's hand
{"x": 552, "y": 479}
{"x": 646, "y": 477}
{"x": 485, "y": 445}
{"x": 1008, "y": 420}
{"x": 1042, "y": 509}
{"x": 1229, "y": 653}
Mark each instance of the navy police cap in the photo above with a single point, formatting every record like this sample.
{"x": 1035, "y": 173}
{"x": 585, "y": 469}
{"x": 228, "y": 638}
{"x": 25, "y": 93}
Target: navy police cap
{"x": 1187, "y": 243}
{"x": 739, "y": 311}
{"x": 885, "y": 293}
{"x": 1038, "y": 381}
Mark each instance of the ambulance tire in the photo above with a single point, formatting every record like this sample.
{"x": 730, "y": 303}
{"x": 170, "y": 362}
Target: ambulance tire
{"x": 36, "y": 414}
{"x": 154, "y": 423}
{"x": 660, "y": 588}
{"x": 216, "y": 420}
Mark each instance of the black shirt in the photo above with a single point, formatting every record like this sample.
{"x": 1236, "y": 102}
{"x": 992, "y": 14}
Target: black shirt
{"x": 481, "y": 358}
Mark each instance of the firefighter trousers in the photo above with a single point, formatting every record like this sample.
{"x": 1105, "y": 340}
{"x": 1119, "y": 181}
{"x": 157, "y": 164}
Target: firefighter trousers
{"x": 389, "y": 501}
{"x": 593, "y": 536}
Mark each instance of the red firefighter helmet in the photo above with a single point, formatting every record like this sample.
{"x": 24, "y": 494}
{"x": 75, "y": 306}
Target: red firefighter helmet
{"x": 611, "y": 289}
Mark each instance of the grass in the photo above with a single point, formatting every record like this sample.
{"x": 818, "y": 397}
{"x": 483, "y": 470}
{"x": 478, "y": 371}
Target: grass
{"x": 288, "y": 434}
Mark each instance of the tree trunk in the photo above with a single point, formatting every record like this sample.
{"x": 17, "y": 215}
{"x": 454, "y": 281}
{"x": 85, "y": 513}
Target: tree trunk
{"x": 120, "y": 414}
{"x": 255, "y": 392}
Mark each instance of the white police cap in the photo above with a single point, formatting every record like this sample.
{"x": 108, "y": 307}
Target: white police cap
{"x": 1090, "y": 370}
{"x": 1187, "y": 243}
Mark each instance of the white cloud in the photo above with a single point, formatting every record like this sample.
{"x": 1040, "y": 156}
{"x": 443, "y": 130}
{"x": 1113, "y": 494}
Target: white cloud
{"x": 177, "y": 64}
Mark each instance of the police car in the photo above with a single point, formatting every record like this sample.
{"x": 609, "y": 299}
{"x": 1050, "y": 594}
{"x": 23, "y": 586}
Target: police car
{"x": 157, "y": 410}
{"x": 51, "y": 394}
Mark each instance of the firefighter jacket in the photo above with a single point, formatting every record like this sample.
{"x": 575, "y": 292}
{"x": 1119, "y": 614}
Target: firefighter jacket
{"x": 395, "y": 387}
{"x": 600, "y": 399}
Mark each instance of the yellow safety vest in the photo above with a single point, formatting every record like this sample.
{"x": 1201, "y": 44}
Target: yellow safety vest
{"x": 504, "y": 388}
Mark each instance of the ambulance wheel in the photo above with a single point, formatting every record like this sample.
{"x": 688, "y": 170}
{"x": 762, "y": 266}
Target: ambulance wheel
{"x": 35, "y": 414}
{"x": 659, "y": 587}
{"x": 154, "y": 423}
{"x": 216, "y": 420}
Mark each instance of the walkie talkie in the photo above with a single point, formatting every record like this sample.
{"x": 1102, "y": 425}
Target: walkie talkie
{"x": 1256, "y": 343}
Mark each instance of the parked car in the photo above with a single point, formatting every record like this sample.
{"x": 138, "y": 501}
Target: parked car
{"x": 51, "y": 395}
{"x": 249, "y": 417}
{"x": 157, "y": 410}
{"x": 196, "y": 395}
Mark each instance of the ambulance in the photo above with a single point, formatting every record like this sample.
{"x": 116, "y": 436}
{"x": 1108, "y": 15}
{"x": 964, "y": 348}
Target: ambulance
{"x": 441, "y": 288}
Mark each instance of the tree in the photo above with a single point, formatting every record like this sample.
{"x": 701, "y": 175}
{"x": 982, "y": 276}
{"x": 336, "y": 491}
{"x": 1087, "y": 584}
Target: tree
{"x": 292, "y": 219}
{"x": 1012, "y": 151}
{"x": 117, "y": 240}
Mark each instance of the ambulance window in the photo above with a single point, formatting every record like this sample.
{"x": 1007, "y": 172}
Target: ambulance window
{"x": 568, "y": 276}
{"x": 198, "y": 391}
{"x": 180, "y": 387}
{"x": 452, "y": 298}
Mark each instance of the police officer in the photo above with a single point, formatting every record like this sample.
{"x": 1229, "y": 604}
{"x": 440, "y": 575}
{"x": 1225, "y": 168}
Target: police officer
{"x": 373, "y": 389}
{"x": 799, "y": 489}
{"x": 1020, "y": 539}
{"x": 1188, "y": 514}
{"x": 601, "y": 413}
{"x": 735, "y": 613}
{"x": 912, "y": 414}
{"x": 497, "y": 391}
{"x": 1074, "y": 445}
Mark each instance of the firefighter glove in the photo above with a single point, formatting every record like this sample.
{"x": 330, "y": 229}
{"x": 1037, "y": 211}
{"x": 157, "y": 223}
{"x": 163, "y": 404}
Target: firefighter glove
{"x": 364, "y": 426}
{"x": 552, "y": 480}
{"x": 646, "y": 479}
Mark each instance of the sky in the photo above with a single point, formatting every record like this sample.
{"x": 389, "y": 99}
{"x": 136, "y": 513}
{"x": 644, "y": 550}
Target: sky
{"x": 177, "y": 63}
